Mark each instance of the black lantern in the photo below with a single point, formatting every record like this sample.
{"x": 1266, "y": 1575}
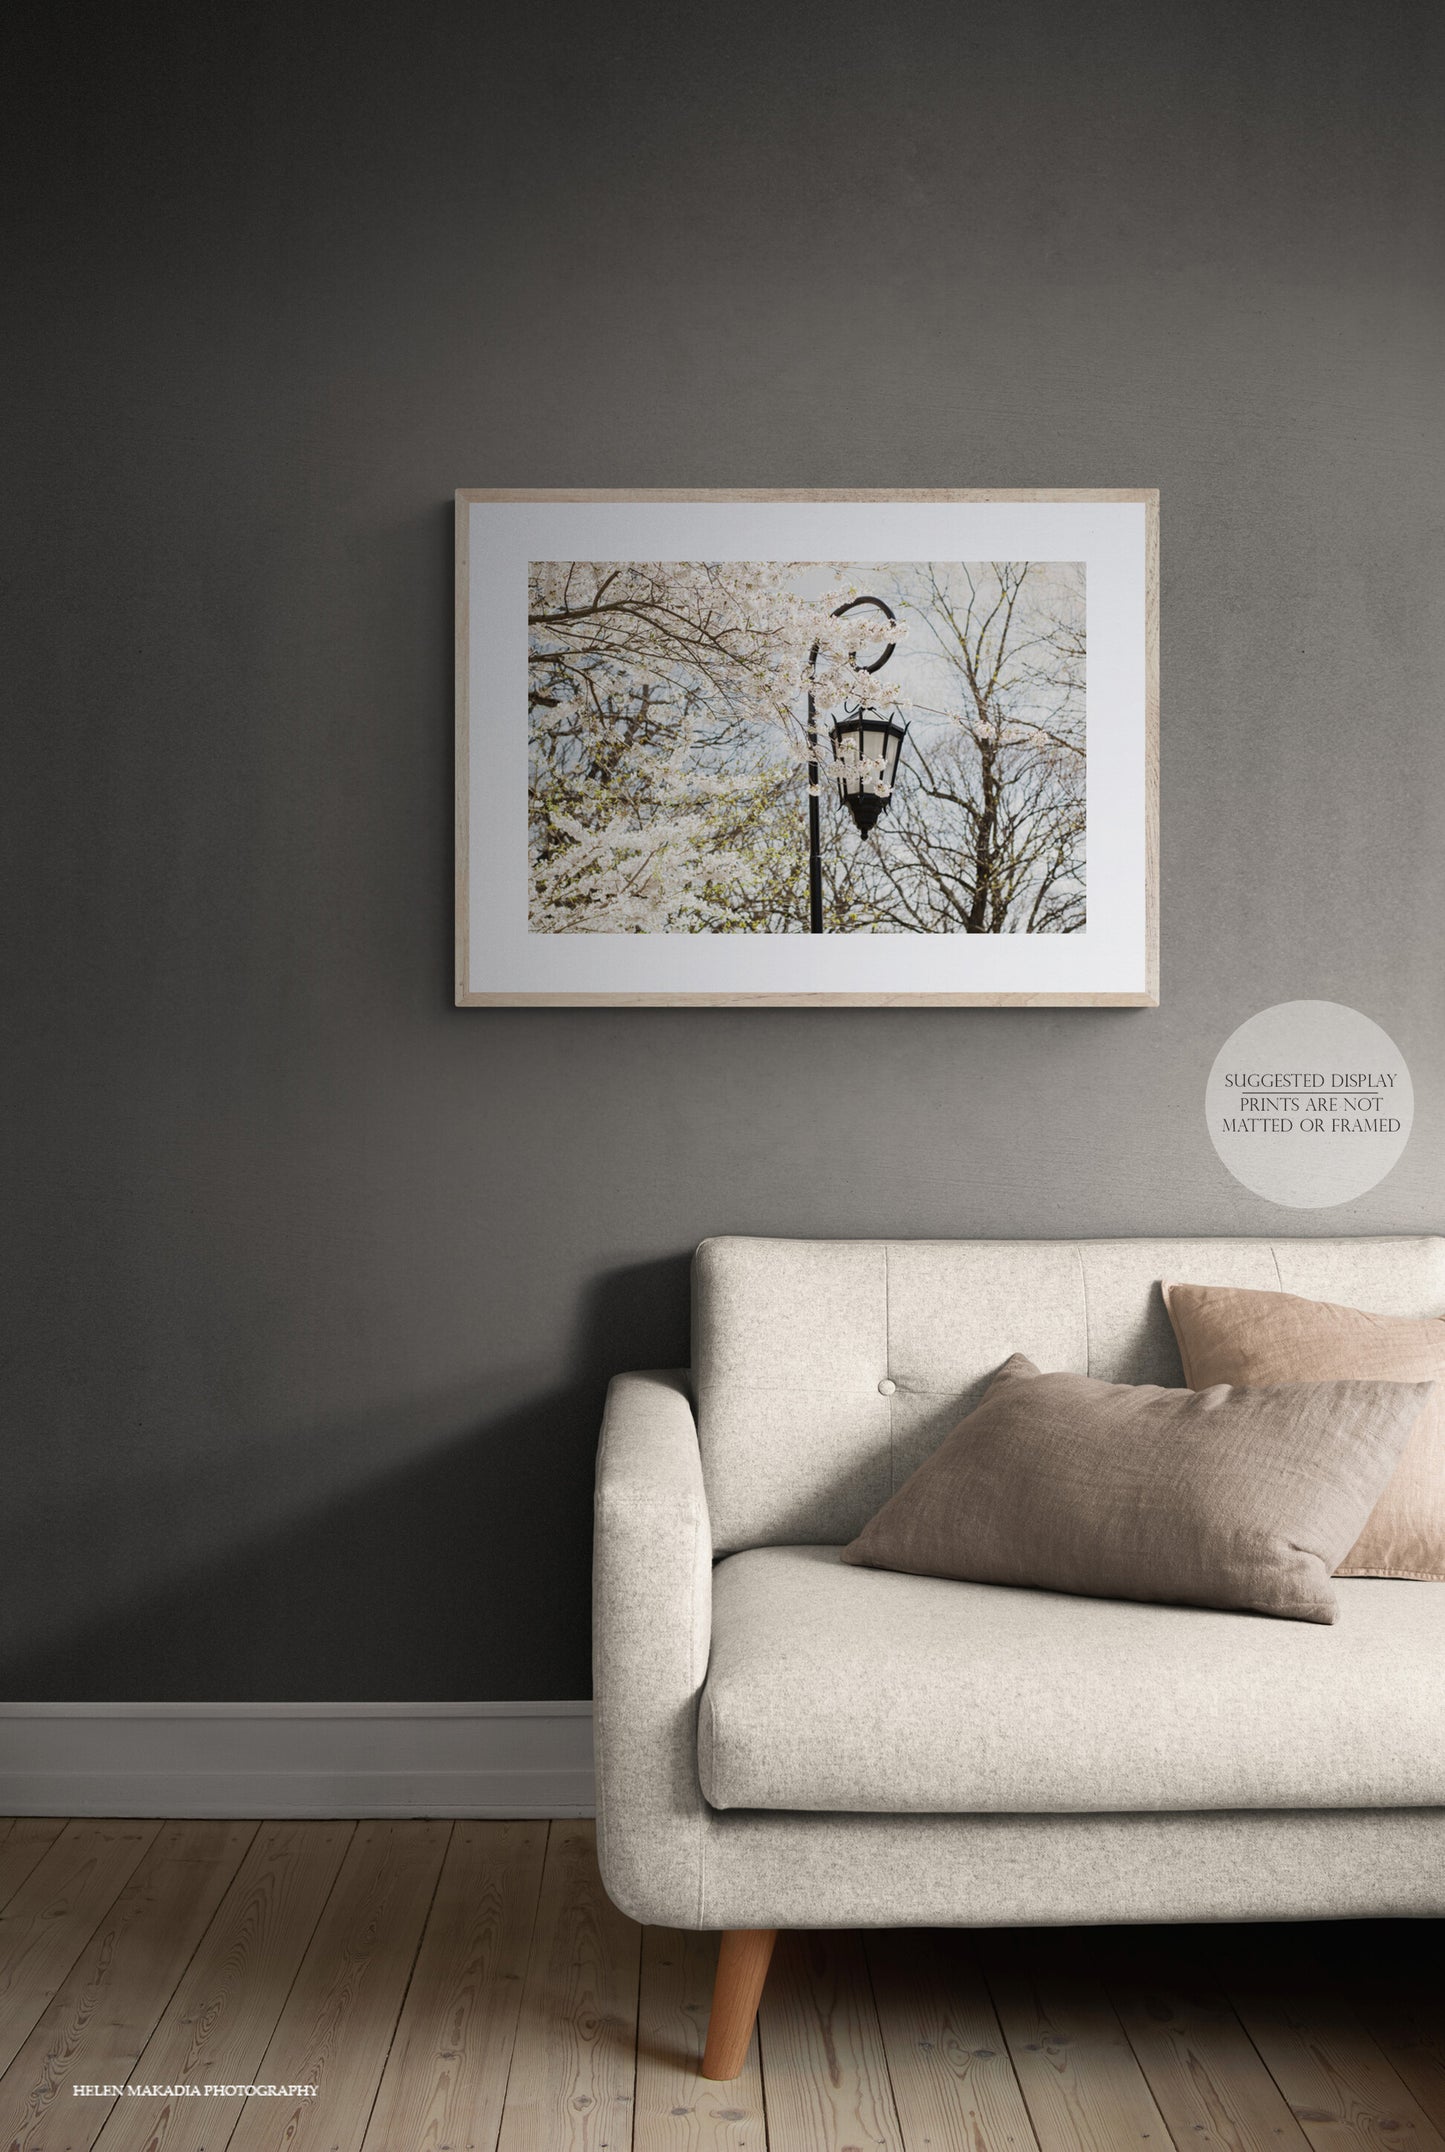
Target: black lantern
{"x": 867, "y": 745}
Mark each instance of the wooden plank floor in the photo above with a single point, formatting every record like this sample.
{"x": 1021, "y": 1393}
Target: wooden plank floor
{"x": 467, "y": 1987}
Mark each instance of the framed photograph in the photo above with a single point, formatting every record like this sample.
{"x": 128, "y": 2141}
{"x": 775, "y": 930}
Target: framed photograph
{"x": 807, "y": 748}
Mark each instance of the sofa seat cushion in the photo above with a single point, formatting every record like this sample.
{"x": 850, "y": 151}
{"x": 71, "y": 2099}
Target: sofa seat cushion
{"x": 848, "y": 1689}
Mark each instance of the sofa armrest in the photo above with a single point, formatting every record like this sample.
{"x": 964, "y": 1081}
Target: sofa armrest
{"x": 651, "y": 1629}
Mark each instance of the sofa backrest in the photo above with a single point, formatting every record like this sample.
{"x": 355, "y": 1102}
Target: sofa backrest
{"x": 826, "y": 1370}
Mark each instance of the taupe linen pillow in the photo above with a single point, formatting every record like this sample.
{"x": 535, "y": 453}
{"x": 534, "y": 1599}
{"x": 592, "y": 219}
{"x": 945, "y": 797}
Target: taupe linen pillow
{"x": 1221, "y": 1497}
{"x": 1231, "y": 1334}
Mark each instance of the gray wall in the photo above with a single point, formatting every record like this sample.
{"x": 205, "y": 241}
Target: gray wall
{"x": 316, "y": 1281}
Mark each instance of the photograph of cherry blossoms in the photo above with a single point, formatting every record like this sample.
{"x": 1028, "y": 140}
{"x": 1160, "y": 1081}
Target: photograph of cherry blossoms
{"x": 772, "y": 747}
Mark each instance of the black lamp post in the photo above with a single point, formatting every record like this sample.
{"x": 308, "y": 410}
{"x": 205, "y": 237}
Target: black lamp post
{"x": 860, "y": 735}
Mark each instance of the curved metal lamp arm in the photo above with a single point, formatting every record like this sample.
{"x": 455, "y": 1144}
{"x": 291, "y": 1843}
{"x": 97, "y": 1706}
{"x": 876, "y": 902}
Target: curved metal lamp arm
{"x": 888, "y": 614}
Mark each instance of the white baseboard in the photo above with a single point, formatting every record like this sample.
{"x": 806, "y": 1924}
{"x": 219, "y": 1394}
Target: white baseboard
{"x": 532, "y": 1759}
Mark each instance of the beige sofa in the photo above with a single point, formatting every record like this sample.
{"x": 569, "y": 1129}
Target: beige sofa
{"x": 786, "y": 1742}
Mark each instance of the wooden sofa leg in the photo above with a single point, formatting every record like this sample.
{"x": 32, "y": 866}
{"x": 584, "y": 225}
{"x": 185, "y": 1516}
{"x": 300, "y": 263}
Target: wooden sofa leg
{"x": 742, "y": 1967}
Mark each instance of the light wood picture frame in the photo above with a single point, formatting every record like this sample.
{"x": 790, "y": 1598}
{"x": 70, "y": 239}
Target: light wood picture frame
{"x": 788, "y": 748}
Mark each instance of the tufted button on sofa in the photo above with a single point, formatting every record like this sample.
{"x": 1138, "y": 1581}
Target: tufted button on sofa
{"x": 783, "y": 1741}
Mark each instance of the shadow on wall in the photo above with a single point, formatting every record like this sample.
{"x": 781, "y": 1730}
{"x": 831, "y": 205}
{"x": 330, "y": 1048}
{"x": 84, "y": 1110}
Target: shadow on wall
{"x": 432, "y": 1554}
